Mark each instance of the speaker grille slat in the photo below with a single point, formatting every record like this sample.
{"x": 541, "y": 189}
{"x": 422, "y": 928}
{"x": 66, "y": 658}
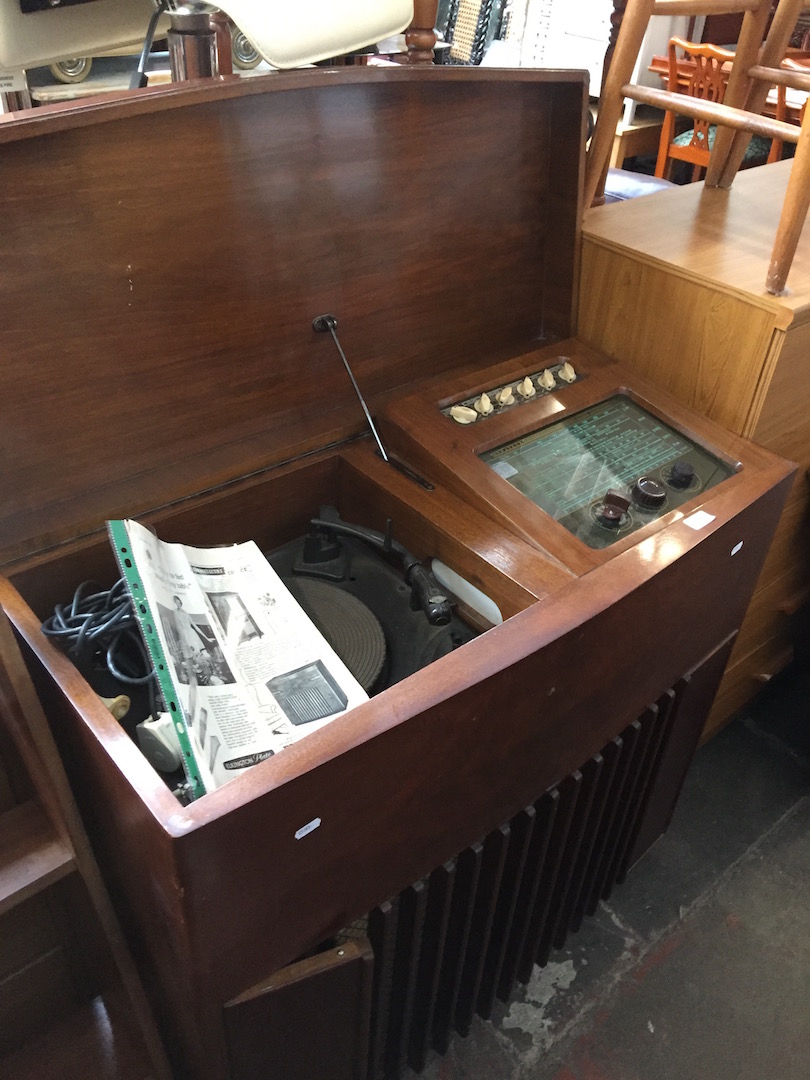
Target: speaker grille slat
{"x": 468, "y": 871}
{"x": 536, "y": 862}
{"x": 495, "y": 848}
{"x": 448, "y": 945}
{"x": 439, "y": 902}
{"x": 522, "y": 826}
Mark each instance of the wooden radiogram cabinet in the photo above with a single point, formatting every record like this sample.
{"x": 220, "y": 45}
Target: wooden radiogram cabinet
{"x": 673, "y": 287}
{"x": 344, "y": 907}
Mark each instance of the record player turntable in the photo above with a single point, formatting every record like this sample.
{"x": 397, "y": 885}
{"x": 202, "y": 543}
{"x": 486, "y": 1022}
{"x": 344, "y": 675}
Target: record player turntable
{"x": 384, "y": 621}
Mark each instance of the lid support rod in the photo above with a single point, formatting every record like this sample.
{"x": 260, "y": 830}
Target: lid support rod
{"x": 324, "y": 324}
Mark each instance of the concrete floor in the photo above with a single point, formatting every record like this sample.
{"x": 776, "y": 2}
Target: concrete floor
{"x": 698, "y": 967}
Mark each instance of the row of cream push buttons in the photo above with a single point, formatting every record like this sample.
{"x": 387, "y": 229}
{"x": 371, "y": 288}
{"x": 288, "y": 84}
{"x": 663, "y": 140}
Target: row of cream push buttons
{"x": 526, "y": 388}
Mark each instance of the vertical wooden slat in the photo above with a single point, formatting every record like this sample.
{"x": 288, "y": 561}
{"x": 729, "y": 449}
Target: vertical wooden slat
{"x": 569, "y": 791}
{"x": 412, "y": 904}
{"x": 468, "y": 872}
{"x": 619, "y": 811}
{"x": 576, "y": 838}
{"x": 641, "y": 764}
{"x": 382, "y": 932}
{"x": 666, "y": 713}
{"x": 522, "y": 827}
{"x": 592, "y": 848}
{"x": 546, "y": 811}
{"x": 495, "y": 848}
{"x": 434, "y": 937}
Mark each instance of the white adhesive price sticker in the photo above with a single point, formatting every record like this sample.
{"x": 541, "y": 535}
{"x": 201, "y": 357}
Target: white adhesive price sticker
{"x": 306, "y": 829}
{"x": 699, "y": 520}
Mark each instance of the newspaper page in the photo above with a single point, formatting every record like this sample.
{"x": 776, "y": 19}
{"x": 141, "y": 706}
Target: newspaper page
{"x": 249, "y": 668}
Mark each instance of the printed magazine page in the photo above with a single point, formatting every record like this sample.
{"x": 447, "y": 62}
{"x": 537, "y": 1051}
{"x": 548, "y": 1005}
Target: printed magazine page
{"x": 250, "y": 670}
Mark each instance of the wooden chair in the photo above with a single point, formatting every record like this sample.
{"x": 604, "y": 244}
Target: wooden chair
{"x": 469, "y": 26}
{"x": 700, "y": 71}
{"x": 755, "y": 69}
{"x": 781, "y": 112}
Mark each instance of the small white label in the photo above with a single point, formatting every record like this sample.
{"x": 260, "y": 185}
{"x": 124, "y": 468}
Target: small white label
{"x": 699, "y": 520}
{"x": 12, "y": 82}
{"x": 308, "y": 828}
{"x": 736, "y": 548}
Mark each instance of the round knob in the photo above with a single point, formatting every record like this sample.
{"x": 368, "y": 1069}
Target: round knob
{"x": 648, "y": 494}
{"x": 610, "y": 515}
{"x": 611, "y": 510}
{"x": 682, "y": 474}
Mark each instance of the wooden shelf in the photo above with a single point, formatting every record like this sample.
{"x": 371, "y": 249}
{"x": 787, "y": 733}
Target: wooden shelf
{"x": 32, "y": 857}
{"x": 97, "y": 1040}
{"x": 72, "y": 1001}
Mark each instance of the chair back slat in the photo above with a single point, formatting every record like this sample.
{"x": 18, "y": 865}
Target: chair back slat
{"x": 736, "y": 112}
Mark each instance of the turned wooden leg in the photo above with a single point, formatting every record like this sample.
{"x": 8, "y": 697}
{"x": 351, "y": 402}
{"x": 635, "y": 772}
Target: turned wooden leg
{"x": 420, "y": 37}
{"x": 619, "y": 7}
{"x": 622, "y": 61}
{"x": 616, "y": 17}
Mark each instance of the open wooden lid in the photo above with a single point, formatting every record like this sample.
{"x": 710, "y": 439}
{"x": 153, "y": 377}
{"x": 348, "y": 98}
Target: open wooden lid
{"x": 164, "y": 256}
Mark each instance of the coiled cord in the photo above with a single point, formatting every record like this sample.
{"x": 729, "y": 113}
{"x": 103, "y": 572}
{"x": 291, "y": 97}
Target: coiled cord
{"x": 100, "y": 626}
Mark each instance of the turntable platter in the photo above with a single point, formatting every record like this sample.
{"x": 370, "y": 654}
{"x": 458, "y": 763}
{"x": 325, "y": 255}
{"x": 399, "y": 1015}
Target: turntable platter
{"x": 350, "y": 627}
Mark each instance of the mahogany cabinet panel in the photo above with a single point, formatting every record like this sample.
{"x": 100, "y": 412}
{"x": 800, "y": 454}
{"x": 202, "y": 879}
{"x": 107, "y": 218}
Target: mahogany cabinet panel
{"x": 309, "y": 1022}
{"x": 191, "y": 231}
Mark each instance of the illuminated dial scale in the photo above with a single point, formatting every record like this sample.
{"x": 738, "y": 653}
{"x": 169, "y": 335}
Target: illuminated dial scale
{"x": 602, "y": 472}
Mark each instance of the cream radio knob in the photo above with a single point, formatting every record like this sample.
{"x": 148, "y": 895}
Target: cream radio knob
{"x": 567, "y": 373}
{"x": 547, "y": 380}
{"x": 526, "y": 388}
{"x": 505, "y": 396}
{"x": 463, "y": 414}
{"x": 483, "y": 405}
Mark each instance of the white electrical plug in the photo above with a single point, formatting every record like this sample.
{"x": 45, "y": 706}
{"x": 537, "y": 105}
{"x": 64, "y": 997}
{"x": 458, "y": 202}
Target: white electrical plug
{"x": 159, "y": 743}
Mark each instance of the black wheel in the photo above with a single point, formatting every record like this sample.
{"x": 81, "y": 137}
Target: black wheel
{"x": 72, "y": 71}
{"x": 244, "y": 55}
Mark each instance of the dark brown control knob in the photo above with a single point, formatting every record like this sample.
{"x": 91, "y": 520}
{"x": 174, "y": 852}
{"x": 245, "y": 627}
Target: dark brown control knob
{"x": 648, "y": 494}
{"x": 682, "y": 474}
{"x": 612, "y": 509}
{"x": 610, "y": 516}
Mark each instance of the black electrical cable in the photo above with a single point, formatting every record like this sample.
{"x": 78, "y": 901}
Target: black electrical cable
{"x": 99, "y": 627}
{"x": 139, "y": 78}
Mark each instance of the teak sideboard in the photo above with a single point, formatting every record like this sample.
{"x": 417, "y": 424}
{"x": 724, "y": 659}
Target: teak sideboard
{"x": 672, "y": 285}
{"x": 345, "y": 906}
